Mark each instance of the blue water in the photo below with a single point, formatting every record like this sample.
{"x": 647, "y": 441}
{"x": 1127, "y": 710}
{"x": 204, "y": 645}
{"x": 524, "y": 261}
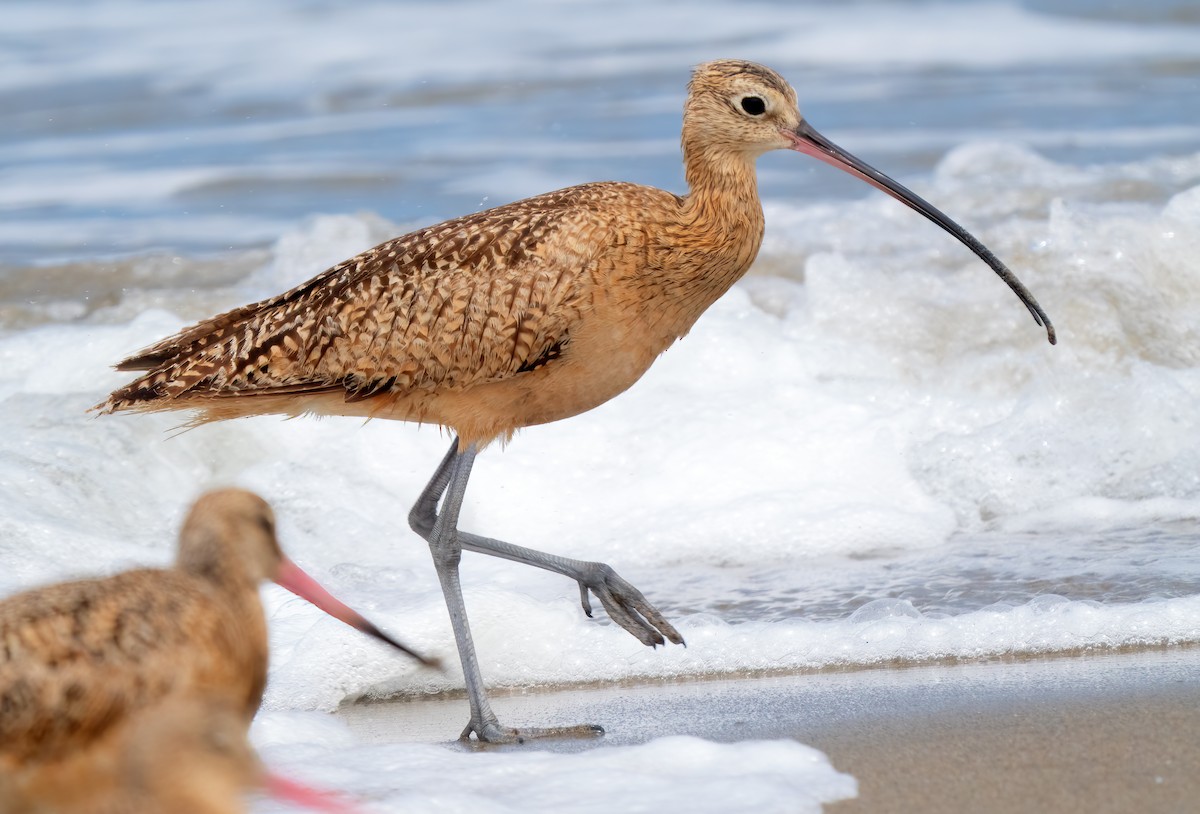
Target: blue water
{"x": 197, "y": 128}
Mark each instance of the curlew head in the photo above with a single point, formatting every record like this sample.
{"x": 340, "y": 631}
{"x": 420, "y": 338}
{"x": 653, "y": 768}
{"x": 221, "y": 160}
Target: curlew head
{"x": 229, "y": 537}
{"x": 736, "y": 107}
{"x": 739, "y": 107}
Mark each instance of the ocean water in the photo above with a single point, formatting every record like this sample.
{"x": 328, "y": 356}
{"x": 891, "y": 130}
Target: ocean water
{"x": 865, "y": 453}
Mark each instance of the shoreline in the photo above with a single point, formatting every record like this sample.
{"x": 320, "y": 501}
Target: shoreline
{"x": 1114, "y": 732}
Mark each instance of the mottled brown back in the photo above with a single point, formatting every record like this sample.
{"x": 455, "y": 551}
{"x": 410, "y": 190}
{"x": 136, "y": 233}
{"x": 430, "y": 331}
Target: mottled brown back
{"x": 476, "y": 299}
{"x": 77, "y": 657}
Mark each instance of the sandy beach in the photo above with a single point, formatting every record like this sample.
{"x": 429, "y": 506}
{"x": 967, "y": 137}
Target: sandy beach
{"x": 1090, "y": 733}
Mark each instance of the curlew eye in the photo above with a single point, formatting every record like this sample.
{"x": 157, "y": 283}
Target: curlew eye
{"x": 754, "y": 105}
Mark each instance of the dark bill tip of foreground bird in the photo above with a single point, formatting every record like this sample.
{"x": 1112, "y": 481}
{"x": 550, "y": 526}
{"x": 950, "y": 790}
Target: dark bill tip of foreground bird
{"x": 293, "y": 578}
{"x": 808, "y": 141}
{"x": 371, "y": 630}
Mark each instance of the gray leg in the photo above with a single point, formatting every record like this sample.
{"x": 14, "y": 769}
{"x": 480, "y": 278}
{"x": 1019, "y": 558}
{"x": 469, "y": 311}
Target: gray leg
{"x": 625, "y": 604}
{"x": 423, "y": 515}
{"x": 451, "y": 478}
{"x": 443, "y": 545}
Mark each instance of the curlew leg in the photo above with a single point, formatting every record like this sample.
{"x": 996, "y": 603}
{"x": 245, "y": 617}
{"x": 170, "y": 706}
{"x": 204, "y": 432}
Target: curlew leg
{"x": 624, "y": 603}
{"x": 447, "y": 552}
{"x": 446, "y": 543}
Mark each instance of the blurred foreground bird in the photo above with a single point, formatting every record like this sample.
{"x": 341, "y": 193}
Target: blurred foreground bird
{"x": 76, "y": 658}
{"x": 183, "y": 755}
{"x": 531, "y": 312}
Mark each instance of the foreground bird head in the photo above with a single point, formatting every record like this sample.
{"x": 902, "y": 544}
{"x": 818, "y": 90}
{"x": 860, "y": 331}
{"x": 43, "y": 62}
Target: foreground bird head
{"x": 230, "y": 533}
{"x": 740, "y": 110}
{"x": 229, "y": 537}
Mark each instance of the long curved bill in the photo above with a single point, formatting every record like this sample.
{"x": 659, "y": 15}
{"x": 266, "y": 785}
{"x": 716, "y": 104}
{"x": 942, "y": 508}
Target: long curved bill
{"x": 808, "y": 141}
{"x": 292, "y": 577}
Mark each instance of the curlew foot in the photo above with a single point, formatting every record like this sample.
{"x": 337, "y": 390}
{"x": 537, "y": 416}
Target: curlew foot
{"x": 492, "y": 733}
{"x": 625, "y": 604}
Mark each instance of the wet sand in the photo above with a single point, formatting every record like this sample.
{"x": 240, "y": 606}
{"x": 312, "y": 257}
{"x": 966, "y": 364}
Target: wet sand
{"x": 1092, "y": 733}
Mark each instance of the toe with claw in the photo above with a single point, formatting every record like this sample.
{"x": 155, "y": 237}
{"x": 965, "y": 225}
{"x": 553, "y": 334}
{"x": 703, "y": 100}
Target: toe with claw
{"x": 492, "y": 733}
{"x": 625, "y": 604}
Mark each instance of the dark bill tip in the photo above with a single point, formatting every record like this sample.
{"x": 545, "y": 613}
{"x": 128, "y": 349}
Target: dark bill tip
{"x": 808, "y": 141}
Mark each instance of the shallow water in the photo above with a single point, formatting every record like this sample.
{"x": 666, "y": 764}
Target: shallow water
{"x": 866, "y": 453}
{"x": 970, "y": 572}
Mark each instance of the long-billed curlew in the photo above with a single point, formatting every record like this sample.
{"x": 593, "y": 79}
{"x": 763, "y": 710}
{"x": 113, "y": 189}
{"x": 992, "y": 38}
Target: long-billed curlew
{"x": 77, "y": 657}
{"x": 519, "y": 315}
{"x": 183, "y": 755}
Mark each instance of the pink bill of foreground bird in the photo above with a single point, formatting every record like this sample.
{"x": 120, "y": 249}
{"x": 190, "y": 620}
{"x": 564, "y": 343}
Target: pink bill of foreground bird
{"x": 182, "y": 755}
{"x": 76, "y": 658}
{"x": 527, "y": 313}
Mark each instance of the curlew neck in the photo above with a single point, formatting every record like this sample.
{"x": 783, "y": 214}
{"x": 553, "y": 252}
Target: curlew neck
{"x": 722, "y": 181}
{"x": 718, "y": 234}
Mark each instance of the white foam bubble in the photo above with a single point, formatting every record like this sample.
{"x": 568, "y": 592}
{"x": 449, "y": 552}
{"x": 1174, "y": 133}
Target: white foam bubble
{"x": 666, "y": 774}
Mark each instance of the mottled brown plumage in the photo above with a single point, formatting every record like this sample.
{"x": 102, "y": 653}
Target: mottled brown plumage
{"x": 520, "y": 315}
{"x": 184, "y": 755}
{"x": 77, "y": 657}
